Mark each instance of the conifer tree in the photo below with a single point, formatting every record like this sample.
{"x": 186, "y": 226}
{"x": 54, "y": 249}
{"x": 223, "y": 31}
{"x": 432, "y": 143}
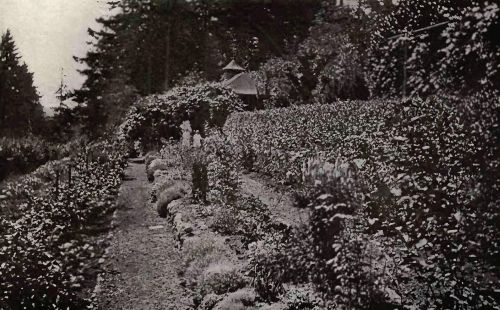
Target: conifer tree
{"x": 20, "y": 109}
{"x": 148, "y": 46}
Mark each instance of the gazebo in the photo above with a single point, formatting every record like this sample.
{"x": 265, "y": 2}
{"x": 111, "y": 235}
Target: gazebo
{"x": 236, "y": 79}
{"x": 233, "y": 67}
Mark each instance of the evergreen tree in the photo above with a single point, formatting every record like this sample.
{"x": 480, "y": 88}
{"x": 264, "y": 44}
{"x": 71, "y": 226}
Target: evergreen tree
{"x": 20, "y": 109}
{"x": 148, "y": 46}
{"x": 61, "y": 125}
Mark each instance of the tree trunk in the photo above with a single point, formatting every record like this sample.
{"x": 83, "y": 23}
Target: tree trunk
{"x": 166, "y": 84}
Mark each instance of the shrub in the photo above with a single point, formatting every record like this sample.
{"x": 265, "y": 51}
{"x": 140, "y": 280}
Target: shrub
{"x": 226, "y": 221}
{"x": 23, "y": 155}
{"x": 160, "y": 185}
{"x": 279, "y": 258}
{"x": 460, "y": 56}
{"x": 302, "y": 298}
{"x": 219, "y": 278}
{"x": 425, "y": 181}
{"x": 280, "y": 79}
{"x": 210, "y": 301}
{"x": 150, "y": 156}
{"x": 249, "y": 218}
{"x": 155, "y": 165}
{"x": 241, "y": 299}
{"x": 158, "y": 117}
{"x": 198, "y": 253}
{"x": 255, "y": 219}
{"x": 331, "y": 252}
{"x": 222, "y": 171}
{"x": 174, "y": 192}
{"x": 45, "y": 249}
{"x": 446, "y": 203}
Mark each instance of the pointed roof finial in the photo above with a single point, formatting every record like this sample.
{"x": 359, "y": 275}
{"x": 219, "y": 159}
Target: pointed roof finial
{"x": 233, "y": 66}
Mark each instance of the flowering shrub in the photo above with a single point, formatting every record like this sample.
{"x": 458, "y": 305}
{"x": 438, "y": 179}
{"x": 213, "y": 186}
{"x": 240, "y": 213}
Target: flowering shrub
{"x": 47, "y": 242}
{"x": 158, "y": 117}
{"x": 425, "y": 180}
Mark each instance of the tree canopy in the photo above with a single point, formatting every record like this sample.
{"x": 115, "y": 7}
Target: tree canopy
{"x": 20, "y": 109}
{"x": 146, "y": 47}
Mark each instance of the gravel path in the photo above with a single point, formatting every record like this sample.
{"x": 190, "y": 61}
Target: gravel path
{"x": 140, "y": 265}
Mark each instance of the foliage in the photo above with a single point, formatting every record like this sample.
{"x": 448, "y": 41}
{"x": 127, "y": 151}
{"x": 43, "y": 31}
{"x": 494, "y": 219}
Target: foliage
{"x": 248, "y": 218}
{"x": 298, "y": 298}
{"x": 445, "y": 195}
{"x": 146, "y": 47}
{"x": 459, "y": 56}
{"x": 222, "y": 170}
{"x": 158, "y": 117}
{"x": 47, "y": 242}
{"x": 280, "y": 79}
{"x": 199, "y": 253}
{"x": 23, "y": 155}
{"x": 325, "y": 66}
{"x": 331, "y": 252}
{"x": 424, "y": 179}
{"x": 20, "y": 109}
{"x": 220, "y": 278}
{"x": 333, "y": 54}
{"x": 282, "y": 139}
{"x": 278, "y": 258}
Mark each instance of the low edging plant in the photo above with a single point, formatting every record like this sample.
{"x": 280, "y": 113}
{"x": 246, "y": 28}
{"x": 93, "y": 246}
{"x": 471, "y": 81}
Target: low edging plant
{"x": 48, "y": 247}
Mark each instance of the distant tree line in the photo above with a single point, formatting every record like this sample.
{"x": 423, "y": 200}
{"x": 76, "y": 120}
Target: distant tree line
{"x": 300, "y": 51}
{"x": 147, "y": 47}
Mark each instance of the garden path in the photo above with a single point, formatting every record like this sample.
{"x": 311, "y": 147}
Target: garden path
{"x": 140, "y": 264}
{"x": 278, "y": 200}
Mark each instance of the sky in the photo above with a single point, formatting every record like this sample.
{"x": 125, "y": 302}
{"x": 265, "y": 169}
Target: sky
{"x": 48, "y": 33}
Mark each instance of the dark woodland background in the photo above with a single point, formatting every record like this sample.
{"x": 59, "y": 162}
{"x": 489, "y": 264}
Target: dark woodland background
{"x": 314, "y": 48}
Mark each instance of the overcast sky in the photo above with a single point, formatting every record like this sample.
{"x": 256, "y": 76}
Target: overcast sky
{"x": 48, "y": 33}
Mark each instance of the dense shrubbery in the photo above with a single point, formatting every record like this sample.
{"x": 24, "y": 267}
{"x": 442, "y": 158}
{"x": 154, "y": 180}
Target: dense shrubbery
{"x": 327, "y": 65}
{"x": 424, "y": 185}
{"x": 216, "y": 181}
{"x": 159, "y": 117}
{"x": 47, "y": 221}
{"x": 461, "y": 56}
{"x": 23, "y": 155}
{"x": 222, "y": 170}
{"x": 280, "y": 140}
